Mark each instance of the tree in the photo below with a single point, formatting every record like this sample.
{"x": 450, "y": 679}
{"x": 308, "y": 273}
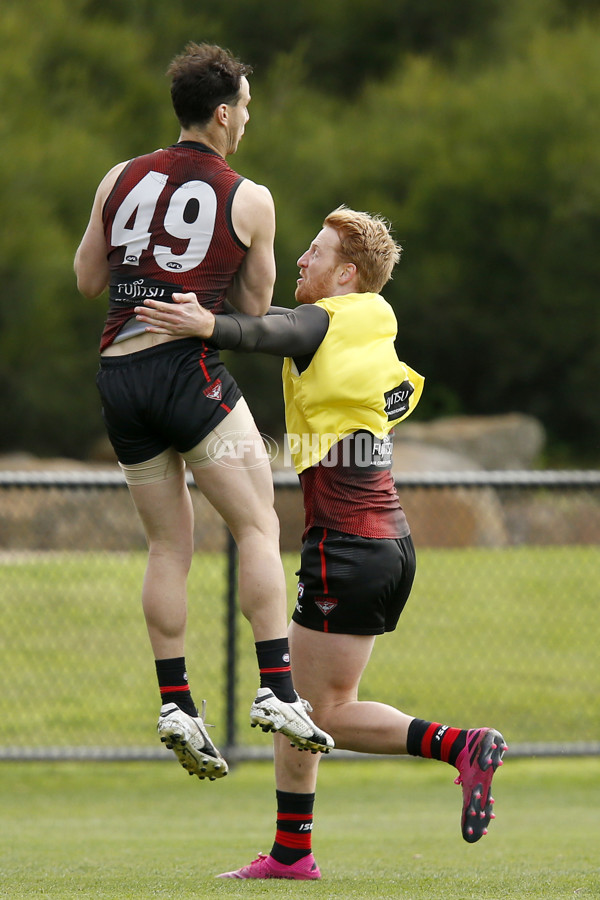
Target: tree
{"x": 472, "y": 126}
{"x": 491, "y": 181}
{"x": 68, "y": 100}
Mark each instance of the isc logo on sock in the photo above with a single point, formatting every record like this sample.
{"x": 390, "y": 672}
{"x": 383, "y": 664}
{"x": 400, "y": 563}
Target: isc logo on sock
{"x": 440, "y": 733}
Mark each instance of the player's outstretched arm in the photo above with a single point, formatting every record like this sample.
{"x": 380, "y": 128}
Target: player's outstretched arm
{"x": 294, "y": 332}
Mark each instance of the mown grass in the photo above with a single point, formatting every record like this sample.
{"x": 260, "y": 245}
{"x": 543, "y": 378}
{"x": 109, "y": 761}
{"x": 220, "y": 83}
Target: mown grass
{"x": 387, "y": 829}
{"x": 496, "y": 636}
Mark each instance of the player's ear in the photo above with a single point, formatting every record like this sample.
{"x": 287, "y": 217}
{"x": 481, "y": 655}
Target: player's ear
{"x": 348, "y": 273}
{"x": 222, "y": 114}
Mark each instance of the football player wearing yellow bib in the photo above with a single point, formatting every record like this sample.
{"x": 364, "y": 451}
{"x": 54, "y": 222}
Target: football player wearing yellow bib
{"x": 345, "y": 390}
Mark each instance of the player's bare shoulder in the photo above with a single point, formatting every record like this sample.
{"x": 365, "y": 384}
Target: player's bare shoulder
{"x": 253, "y": 212}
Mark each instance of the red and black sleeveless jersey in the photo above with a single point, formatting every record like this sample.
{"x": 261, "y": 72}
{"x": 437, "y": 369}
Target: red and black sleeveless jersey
{"x": 352, "y": 489}
{"x": 168, "y": 227}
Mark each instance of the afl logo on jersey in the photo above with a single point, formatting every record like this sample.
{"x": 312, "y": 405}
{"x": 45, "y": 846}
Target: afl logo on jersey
{"x": 173, "y": 265}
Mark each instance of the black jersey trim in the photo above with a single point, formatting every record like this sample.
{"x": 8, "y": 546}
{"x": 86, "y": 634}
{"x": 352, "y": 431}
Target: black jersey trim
{"x": 195, "y": 145}
{"x": 118, "y": 181}
{"x": 228, "y": 215}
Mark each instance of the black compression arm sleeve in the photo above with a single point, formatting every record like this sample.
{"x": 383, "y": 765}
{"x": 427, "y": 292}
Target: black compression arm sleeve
{"x": 294, "y": 332}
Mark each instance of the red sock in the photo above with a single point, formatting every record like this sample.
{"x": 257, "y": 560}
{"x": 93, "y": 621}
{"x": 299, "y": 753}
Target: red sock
{"x": 434, "y": 741}
{"x": 293, "y": 838}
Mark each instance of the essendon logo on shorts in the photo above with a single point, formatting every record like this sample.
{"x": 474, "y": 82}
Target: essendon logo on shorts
{"x": 397, "y": 400}
{"x": 326, "y": 604}
{"x": 214, "y": 391}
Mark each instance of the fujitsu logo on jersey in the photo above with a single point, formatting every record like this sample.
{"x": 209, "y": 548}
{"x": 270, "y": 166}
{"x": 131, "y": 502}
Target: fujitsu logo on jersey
{"x": 382, "y": 452}
{"x": 130, "y": 291}
{"x": 397, "y": 400}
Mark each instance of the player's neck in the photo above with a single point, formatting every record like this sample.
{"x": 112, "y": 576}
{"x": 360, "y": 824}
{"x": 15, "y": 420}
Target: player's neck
{"x": 202, "y": 136}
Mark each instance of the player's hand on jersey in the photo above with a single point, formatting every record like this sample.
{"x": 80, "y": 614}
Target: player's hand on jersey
{"x": 182, "y": 318}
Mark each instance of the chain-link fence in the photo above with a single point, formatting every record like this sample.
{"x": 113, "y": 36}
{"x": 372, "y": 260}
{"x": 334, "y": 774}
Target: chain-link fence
{"x": 501, "y": 627}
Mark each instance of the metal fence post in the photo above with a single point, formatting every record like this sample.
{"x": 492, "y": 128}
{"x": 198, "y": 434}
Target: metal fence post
{"x": 230, "y": 641}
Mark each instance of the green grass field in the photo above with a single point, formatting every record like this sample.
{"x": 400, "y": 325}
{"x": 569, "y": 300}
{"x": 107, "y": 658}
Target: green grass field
{"x": 489, "y": 636}
{"x": 383, "y": 829}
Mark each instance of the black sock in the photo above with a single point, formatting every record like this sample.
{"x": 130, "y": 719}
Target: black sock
{"x": 274, "y": 665}
{"x": 434, "y": 741}
{"x": 293, "y": 838}
{"x": 173, "y": 684}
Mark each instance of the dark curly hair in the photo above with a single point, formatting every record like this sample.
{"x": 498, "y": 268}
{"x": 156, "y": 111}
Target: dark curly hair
{"x": 203, "y": 77}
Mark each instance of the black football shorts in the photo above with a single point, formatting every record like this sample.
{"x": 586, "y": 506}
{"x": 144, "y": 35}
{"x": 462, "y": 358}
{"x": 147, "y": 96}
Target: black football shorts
{"x": 353, "y": 585}
{"x": 171, "y": 395}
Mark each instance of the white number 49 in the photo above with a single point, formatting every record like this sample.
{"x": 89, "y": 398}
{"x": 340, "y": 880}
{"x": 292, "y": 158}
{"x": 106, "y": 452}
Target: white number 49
{"x": 190, "y": 216}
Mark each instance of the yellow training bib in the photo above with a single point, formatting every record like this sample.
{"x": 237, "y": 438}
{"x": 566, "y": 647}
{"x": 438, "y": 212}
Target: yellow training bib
{"x": 354, "y": 381}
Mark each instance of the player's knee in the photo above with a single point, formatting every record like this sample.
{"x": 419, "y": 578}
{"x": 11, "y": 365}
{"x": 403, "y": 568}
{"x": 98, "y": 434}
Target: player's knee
{"x": 170, "y": 554}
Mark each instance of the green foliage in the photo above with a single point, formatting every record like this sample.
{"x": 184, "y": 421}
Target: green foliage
{"x": 494, "y": 192}
{"x": 68, "y": 99}
{"x": 491, "y": 180}
{"x": 347, "y": 43}
{"x": 473, "y": 127}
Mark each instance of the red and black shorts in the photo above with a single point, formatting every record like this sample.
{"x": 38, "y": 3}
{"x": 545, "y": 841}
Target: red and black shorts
{"x": 353, "y": 585}
{"x": 171, "y": 395}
